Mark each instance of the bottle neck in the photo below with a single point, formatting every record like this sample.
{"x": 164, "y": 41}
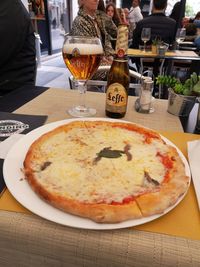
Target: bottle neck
{"x": 122, "y": 40}
{"x": 120, "y": 58}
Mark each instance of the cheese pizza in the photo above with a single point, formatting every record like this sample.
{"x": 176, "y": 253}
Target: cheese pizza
{"x": 108, "y": 171}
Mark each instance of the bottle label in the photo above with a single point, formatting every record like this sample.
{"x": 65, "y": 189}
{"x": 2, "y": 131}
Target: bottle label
{"x": 116, "y": 98}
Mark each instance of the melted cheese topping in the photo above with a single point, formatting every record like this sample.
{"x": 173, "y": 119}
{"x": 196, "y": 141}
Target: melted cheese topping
{"x": 77, "y": 172}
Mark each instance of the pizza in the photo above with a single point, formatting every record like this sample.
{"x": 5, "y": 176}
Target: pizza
{"x": 107, "y": 171}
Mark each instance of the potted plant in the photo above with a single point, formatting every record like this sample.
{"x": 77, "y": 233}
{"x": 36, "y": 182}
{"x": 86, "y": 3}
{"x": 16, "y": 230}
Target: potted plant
{"x": 155, "y": 43}
{"x": 182, "y": 95}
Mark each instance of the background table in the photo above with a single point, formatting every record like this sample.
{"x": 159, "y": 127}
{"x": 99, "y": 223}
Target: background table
{"x": 173, "y": 55}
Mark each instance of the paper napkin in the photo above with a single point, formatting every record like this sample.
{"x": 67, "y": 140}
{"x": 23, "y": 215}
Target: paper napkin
{"x": 194, "y": 156}
{"x": 4, "y": 148}
{"x": 8, "y": 143}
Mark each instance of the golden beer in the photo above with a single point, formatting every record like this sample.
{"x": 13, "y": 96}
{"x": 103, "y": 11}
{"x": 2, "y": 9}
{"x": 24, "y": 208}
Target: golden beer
{"x": 82, "y": 61}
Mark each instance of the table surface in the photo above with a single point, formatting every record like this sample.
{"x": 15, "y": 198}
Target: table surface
{"x": 42, "y": 242}
{"x": 56, "y": 102}
{"x": 177, "y": 54}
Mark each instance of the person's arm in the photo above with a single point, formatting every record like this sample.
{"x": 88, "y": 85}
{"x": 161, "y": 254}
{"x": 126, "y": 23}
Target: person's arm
{"x": 111, "y": 28}
{"x": 11, "y": 30}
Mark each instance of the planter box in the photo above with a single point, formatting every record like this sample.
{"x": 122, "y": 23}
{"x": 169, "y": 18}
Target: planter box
{"x": 180, "y": 105}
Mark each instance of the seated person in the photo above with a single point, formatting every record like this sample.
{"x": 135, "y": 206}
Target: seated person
{"x": 110, "y": 26}
{"x": 196, "y": 21}
{"x": 135, "y": 14}
{"x": 161, "y": 25}
{"x": 111, "y": 11}
{"x": 126, "y": 13}
{"x": 197, "y": 39}
{"x": 17, "y": 53}
{"x": 87, "y": 23}
{"x": 191, "y": 32}
{"x": 185, "y": 21}
{"x": 197, "y": 17}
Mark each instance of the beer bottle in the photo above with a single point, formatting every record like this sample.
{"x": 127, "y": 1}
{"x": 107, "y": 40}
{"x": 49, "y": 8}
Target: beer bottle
{"x": 118, "y": 78}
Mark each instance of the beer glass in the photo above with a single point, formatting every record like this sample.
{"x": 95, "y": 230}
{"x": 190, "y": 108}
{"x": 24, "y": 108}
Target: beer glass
{"x": 82, "y": 56}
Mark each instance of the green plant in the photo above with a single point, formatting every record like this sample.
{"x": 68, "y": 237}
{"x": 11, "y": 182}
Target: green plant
{"x": 156, "y": 41}
{"x": 191, "y": 86}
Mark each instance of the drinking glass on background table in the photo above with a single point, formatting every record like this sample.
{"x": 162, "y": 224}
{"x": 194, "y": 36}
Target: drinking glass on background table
{"x": 145, "y": 36}
{"x": 82, "y": 56}
{"x": 180, "y": 36}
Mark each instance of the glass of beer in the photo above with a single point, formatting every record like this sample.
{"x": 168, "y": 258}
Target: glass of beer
{"x": 82, "y": 56}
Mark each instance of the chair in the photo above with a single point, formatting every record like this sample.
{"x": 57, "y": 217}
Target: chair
{"x": 182, "y": 68}
{"x": 100, "y": 85}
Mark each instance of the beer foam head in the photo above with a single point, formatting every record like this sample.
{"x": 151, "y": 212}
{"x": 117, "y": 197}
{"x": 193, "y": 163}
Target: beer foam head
{"x": 84, "y": 49}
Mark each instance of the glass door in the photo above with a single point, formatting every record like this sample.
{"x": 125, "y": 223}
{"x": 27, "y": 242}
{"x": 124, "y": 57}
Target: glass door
{"x": 59, "y": 23}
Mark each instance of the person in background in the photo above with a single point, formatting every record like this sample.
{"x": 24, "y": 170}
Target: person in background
{"x": 123, "y": 15}
{"x": 176, "y": 15}
{"x": 126, "y": 13}
{"x": 185, "y": 21}
{"x": 135, "y": 13}
{"x": 17, "y": 46}
{"x": 197, "y": 17}
{"x": 191, "y": 32}
{"x": 110, "y": 26}
{"x": 161, "y": 25}
{"x": 192, "y": 29}
{"x": 87, "y": 23}
{"x": 113, "y": 13}
{"x": 197, "y": 22}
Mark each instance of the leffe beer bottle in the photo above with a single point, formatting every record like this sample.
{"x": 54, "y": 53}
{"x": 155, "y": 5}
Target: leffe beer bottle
{"x": 118, "y": 78}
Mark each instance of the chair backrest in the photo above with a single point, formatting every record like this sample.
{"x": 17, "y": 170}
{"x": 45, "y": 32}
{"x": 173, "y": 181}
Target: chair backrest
{"x": 100, "y": 85}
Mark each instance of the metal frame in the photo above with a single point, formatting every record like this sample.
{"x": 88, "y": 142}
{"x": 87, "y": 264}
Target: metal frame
{"x": 97, "y": 83}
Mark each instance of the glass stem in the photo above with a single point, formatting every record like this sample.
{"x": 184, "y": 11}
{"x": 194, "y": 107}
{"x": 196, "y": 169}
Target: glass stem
{"x": 82, "y": 91}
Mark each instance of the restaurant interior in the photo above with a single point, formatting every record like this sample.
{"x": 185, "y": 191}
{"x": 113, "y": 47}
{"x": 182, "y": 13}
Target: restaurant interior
{"x": 162, "y": 102}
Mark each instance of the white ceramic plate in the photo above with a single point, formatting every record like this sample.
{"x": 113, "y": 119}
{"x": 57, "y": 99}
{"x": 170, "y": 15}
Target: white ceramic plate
{"x": 20, "y": 189}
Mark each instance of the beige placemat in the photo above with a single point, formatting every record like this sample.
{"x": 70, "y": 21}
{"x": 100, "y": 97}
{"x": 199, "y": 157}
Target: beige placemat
{"x": 56, "y": 102}
{"x": 183, "y": 221}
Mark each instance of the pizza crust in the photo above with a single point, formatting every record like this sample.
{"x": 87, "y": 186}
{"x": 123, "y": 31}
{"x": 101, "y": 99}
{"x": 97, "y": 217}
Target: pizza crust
{"x": 151, "y": 200}
{"x": 101, "y": 213}
{"x": 170, "y": 191}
